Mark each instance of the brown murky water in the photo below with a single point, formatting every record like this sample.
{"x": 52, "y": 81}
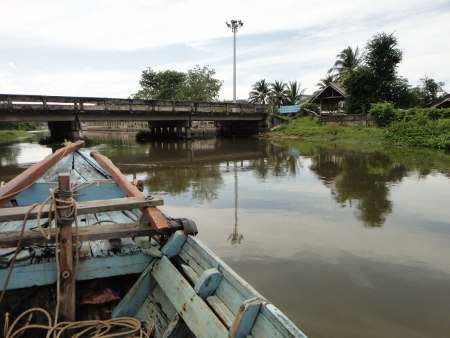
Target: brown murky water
{"x": 347, "y": 242}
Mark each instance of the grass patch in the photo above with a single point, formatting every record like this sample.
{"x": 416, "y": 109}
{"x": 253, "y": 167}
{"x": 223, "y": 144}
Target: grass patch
{"x": 311, "y": 130}
{"x": 12, "y": 136}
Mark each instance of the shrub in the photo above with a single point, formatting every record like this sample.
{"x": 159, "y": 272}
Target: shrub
{"x": 385, "y": 113}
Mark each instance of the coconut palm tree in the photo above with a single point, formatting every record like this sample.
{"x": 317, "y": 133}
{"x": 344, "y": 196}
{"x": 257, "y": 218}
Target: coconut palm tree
{"x": 293, "y": 93}
{"x": 278, "y": 93}
{"x": 260, "y": 93}
{"x": 347, "y": 60}
{"x": 324, "y": 82}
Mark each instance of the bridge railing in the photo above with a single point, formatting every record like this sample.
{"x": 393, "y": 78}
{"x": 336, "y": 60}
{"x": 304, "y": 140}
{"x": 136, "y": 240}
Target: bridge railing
{"x": 40, "y": 102}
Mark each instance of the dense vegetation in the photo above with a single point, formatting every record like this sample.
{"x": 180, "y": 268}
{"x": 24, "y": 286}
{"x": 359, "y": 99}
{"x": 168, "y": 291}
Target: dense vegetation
{"x": 414, "y": 127}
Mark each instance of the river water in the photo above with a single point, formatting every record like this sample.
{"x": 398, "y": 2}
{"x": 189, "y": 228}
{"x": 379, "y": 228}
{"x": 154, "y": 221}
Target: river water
{"x": 346, "y": 241}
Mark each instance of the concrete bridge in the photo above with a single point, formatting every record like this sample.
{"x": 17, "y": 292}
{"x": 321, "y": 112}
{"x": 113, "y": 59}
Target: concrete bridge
{"x": 172, "y": 119}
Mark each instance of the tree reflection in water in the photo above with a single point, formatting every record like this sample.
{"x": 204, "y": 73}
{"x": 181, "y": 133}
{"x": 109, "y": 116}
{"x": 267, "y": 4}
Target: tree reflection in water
{"x": 357, "y": 178}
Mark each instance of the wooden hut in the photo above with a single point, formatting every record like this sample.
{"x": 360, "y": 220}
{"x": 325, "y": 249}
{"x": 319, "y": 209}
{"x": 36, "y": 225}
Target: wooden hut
{"x": 331, "y": 99}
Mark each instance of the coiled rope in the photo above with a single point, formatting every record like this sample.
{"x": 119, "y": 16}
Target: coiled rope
{"x": 127, "y": 326}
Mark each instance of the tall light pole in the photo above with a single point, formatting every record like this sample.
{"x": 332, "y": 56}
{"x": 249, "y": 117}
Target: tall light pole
{"x": 235, "y": 25}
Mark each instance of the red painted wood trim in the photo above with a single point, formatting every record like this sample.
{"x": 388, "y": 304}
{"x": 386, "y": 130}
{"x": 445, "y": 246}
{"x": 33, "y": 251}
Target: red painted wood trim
{"x": 32, "y": 174}
{"x": 153, "y": 214}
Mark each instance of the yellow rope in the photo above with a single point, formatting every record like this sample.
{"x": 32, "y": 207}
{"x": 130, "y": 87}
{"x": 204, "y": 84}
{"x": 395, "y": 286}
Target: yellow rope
{"x": 128, "y": 326}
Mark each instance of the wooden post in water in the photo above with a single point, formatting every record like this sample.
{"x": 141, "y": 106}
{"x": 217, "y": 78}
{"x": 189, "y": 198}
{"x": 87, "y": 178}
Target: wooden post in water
{"x": 67, "y": 278}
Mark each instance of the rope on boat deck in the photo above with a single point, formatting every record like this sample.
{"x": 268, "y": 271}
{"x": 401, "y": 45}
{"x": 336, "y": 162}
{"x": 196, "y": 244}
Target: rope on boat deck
{"x": 127, "y": 326}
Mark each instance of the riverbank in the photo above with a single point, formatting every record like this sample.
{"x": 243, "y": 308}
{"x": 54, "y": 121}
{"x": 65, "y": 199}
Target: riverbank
{"x": 311, "y": 130}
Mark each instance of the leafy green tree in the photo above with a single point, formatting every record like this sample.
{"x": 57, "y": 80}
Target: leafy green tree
{"x": 347, "y": 60}
{"x": 200, "y": 85}
{"x": 278, "y": 92}
{"x": 294, "y": 93}
{"x": 197, "y": 84}
{"x": 376, "y": 79}
{"x": 383, "y": 57}
{"x": 162, "y": 85}
{"x": 429, "y": 90}
{"x": 260, "y": 93}
{"x": 360, "y": 87}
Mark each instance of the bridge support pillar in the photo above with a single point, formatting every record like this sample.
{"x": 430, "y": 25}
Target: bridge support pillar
{"x": 65, "y": 130}
{"x": 170, "y": 129}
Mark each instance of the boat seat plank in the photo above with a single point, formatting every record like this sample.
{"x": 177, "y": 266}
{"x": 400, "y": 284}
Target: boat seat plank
{"x": 198, "y": 316}
{"x": 237, "y": 281}
{"x": 83, "y": 208}
{"x": 222, "y": 311}
{"x": 207, "y": 283}
{"x": 174, "y": 244}
{"x": 245, "y": 318}
{"x": 85, "y": 233}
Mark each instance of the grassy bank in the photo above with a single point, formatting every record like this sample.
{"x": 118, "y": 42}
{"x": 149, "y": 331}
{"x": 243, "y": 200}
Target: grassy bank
{"x": 311, "y": 130}
{"x": 11, "y": 136}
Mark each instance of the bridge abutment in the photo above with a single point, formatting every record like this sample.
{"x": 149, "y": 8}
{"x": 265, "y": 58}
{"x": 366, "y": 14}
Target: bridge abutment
{"x": 65, "y": 130}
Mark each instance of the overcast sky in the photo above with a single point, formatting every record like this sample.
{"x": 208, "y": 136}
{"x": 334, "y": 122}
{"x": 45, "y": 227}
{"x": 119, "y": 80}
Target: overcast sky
{"x": 100, "y": 48}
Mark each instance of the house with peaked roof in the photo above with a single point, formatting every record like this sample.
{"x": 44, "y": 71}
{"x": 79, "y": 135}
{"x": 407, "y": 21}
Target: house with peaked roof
{"x": 331, "y": 99}
{"x": 443, "y": 102}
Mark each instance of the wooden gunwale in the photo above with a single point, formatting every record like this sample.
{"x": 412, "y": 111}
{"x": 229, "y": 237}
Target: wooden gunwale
{"x": 32, "y": 174}
{"x": 153, "y": 214}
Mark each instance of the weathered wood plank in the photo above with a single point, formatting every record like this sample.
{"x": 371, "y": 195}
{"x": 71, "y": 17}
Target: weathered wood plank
{"x": 136, "y": 295}
{"x": 197, "y": 315}
{"x": 174, "y": 244}
{"x": 99, "y": 267}
{"x": 115, "y": 204}
{"x": 222, "y": 311}
{"x": 85, "y": 233}
{"x": 177, "y": 328}
{"x": 245, "y": 318}
{"x": 270, "y": 322}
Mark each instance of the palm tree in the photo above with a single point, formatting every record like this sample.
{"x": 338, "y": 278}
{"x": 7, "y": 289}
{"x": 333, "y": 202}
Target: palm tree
{"x": 329, "y": 78}
{"x": 293, "y": 93}
{"x": 278, "y": 93}
{"x": 347, "y": 60}
{"x": 260, "y": 93}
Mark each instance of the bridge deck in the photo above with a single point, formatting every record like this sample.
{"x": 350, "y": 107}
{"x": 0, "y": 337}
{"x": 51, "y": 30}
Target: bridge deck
{"x": 38, "y": 108}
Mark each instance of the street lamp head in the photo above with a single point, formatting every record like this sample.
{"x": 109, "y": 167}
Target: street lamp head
{"x": 235, "y": 25}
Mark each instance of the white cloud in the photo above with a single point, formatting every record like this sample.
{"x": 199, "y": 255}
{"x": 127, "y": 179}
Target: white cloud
{"x": 11, "y": 65}
{"x": 288, "y": 40}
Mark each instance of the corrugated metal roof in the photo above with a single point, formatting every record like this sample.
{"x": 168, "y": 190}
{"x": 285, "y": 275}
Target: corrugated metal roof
{"x": 289, "y": 109}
